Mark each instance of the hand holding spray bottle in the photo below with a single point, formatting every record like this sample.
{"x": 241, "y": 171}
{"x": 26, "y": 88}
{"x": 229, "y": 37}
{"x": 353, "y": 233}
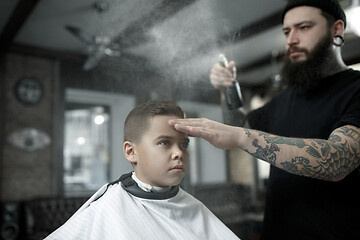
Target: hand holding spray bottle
{"x": 232, "y": 93}
{"x": 234, "y": 114}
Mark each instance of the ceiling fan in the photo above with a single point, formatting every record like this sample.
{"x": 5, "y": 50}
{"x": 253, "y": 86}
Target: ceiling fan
{"x": 96, "y": 47}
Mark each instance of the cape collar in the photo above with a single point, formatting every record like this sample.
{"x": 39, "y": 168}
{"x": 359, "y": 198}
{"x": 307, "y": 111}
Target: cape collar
{"x": 147, "y": 187}
{"x": 132, "y": 187}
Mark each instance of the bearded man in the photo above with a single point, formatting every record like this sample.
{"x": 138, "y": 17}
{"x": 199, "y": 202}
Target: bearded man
{"x": 309, "y": 133}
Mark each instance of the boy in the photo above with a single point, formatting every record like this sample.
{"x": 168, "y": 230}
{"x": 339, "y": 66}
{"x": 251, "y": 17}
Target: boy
{"x": 147, "y": 203}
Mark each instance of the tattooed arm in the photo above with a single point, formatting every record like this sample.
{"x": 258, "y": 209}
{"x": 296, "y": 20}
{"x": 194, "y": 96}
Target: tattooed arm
{"x": 330, "y": 159}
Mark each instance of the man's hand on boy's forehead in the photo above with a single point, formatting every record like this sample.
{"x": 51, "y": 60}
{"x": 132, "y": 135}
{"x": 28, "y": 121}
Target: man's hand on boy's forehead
{"x": 175, "y": 124}
{"x": 218, "y": 134}
{"x": 196, "y": 127}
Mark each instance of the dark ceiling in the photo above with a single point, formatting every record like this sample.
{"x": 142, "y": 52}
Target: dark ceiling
{"x": 182, "y": 37}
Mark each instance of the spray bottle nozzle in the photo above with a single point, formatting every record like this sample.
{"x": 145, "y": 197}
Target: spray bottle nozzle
{"x": 223, "y": 60}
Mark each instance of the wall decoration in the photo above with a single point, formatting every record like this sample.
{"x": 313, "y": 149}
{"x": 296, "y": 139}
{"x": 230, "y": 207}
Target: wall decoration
{"x": 29, "y": 90}
{"x": 29, "y": 139}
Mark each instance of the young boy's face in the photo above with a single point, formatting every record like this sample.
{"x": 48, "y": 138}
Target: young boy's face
{"x": 160, "y": 157}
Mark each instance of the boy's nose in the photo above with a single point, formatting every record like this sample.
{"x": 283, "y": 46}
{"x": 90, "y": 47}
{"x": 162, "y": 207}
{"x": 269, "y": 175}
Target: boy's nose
{"x": 178, "y": 154}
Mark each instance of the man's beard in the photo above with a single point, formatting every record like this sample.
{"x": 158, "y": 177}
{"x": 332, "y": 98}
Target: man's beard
{"x": 306, "y": 75}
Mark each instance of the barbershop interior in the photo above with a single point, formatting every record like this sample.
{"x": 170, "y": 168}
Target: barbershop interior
{"x": 71, "y": 71}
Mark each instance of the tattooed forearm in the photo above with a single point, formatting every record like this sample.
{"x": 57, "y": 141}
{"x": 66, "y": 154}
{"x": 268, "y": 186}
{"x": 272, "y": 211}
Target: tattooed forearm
{"x": 247, "y": 132}
{"x": 330, "y": 159}
{"x": 266, "y": 153}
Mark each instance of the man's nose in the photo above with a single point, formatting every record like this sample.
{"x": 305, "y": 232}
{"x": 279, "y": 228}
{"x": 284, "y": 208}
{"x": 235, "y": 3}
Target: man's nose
{"x": 292, "y": 39}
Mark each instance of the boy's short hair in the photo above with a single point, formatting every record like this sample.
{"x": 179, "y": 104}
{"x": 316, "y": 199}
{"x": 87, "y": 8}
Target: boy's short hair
{"x": 137, "y": 122}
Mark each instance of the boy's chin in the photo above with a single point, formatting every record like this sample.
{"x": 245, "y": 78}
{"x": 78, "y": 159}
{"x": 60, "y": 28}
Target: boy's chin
{"x": 173, "y": 182}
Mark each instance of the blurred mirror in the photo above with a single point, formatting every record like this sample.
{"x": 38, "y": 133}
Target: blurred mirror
{"x": 86, "y": 147}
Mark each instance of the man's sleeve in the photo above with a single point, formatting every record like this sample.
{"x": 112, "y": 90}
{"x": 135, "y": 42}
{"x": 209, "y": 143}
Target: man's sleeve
{"x": 351, "y": 116}
{"x": 259, "y": 119}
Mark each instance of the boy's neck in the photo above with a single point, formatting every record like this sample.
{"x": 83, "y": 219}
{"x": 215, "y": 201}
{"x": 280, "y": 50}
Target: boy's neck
{"x": 147, "y": 187}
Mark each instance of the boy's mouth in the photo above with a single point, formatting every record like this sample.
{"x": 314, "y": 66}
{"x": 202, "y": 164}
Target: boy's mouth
{"x": 177, "y": 168}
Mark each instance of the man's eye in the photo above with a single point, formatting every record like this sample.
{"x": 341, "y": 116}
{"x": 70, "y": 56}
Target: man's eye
{"x": 304, "y": 27}
{"x": 286, "y": 33}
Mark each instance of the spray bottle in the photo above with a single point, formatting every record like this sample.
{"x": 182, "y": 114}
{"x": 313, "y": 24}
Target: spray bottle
{"x": 234, "y": 112}
{"x": 232, "y": 93}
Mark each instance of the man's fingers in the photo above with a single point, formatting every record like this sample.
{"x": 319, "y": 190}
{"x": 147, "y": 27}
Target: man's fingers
{"x": 219, "y": 70}
{"x": 199, "y": 132}
{"x": 187, "y": 121}
{"x": 191, "y": 131}
{"x": 191, "y": 126}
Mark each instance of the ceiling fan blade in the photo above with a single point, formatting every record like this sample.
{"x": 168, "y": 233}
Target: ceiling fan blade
{"x": 92, "y": 61}
{"x": 112, "y": 52}
{"x": 83, "y": 36}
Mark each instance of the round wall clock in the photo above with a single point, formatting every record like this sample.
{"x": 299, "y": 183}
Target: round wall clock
{"x": 29, "y": 90}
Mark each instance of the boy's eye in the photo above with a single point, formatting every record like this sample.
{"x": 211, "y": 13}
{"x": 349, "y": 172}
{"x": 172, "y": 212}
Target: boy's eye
{"x": 164, "y": 143}
{"x": 185, "y": 144}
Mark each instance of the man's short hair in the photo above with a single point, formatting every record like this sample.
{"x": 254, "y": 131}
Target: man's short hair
{"x": 331, "y": 7}
{"x": 137, "y": 122}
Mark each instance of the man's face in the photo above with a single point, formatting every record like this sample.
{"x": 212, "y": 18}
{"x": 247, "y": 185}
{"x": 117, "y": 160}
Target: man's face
{"x": 304, "y": 27}
{"x": 161, "y": 154}
{"x": 309, "y": 53}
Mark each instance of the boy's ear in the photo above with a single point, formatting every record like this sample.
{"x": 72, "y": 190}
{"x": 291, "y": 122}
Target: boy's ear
{"x": 129, "y": 152}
